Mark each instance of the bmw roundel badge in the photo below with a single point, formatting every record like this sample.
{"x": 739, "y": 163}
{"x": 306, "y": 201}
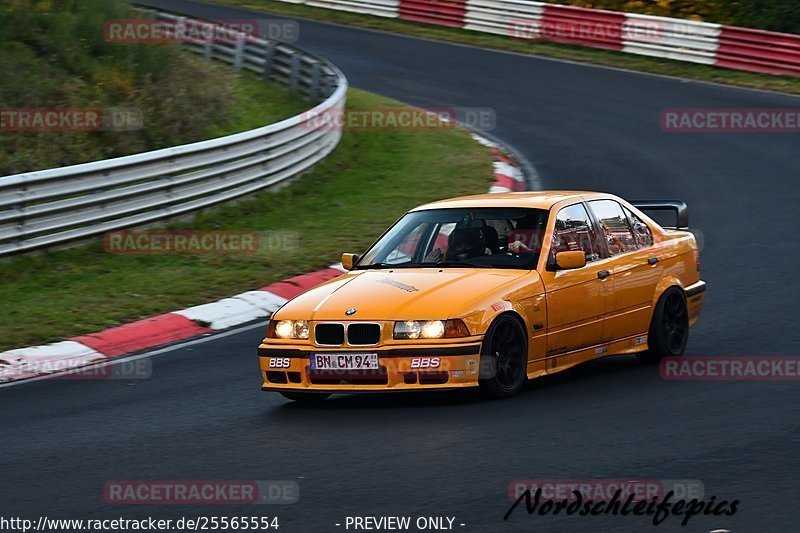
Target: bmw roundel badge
{"x": 350, "y": 311}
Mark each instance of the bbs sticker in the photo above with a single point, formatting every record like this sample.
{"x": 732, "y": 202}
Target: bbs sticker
{"x": 425, "y": 362}
{"x": 279, "y": 362}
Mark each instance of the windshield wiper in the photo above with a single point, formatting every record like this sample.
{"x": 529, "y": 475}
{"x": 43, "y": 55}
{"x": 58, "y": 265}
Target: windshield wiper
{"x": 455, "y": 264}
{"x": 376, "y": 266}
{"x": 445, "y": 264}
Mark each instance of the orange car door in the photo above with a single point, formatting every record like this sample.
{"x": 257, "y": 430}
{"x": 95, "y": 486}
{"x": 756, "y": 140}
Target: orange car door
{"x": 576, "y": 299}
{"x": 634, "y": 267}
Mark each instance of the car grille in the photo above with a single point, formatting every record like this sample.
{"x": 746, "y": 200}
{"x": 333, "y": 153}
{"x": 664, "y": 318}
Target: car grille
{"x": 363, "y": 334}
{"x": 329, "y": 334}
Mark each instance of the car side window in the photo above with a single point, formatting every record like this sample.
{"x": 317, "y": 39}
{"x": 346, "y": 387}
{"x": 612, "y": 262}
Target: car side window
{"x": 614, "y": 226}
{"x": 574, "y": 231}
{"x": 642, "y": 232}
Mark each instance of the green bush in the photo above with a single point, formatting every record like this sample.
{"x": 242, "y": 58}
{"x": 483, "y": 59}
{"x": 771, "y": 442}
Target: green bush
{"x": 775, "y": 15}
{"x": 53, "y": 54}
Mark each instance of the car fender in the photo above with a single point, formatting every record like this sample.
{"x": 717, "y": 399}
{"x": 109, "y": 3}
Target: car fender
{"x": 517, "y": 297}
{"x": 500, "y": 308}
{"x": 666, "y": 281}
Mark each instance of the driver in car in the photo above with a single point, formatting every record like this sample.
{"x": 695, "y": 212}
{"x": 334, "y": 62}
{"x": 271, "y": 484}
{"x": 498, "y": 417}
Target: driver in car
{"x": 462, "y": 244}
{"x": 520, "y": 248}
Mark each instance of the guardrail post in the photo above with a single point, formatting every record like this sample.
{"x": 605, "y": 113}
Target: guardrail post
{"x": 314, "y": 91}
{"x": 208, "y": 46}
{"x": 294, "y": 75}
{"x": 332, "y": 83}
{"x": 239, "y": 56}
{"x": 269, "y": 56}
{"x": 179, "y": 24}
{"x": 19, "y": 226}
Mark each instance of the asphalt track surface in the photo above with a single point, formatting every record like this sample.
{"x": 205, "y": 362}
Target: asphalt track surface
{"x": 202, "y": 416}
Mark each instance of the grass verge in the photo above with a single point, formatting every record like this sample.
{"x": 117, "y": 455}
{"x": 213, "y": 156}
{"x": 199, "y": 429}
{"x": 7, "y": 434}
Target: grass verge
{"x": 343, "y": 204}
{"x": 54, "y": 55}
{"x": 668, "y": 67}
{"x": 257, "y": 103}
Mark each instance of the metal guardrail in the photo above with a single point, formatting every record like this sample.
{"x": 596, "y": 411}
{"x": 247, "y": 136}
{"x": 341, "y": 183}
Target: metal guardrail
{"x": 681, "y": 40}
{"x": 501, "y": 16}
{"x": 379, "y": 8}
{"x": 678, "y": 39}
{"x": 759, "y": 51}
{"x": 53, "y": 207}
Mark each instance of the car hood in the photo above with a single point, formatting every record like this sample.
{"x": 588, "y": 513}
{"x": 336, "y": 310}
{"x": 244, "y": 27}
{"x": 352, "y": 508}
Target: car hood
{"x": 400, "y": 294}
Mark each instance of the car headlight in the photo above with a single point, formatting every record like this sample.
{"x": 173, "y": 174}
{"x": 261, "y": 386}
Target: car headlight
{"x": 288, "y": 329}
{"x": 430, "y": 329}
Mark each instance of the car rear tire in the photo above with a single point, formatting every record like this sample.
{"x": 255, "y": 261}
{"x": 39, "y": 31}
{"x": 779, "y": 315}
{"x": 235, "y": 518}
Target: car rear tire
{"x": 669, "y": 328}
{"x": 306, "y": 397}
{"x": 504, "y": 358}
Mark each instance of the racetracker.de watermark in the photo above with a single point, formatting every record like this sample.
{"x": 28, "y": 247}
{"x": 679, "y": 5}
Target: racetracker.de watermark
{"x": 195, "y": 242}
{"x": 525, "y": 29}
{"x": 633, "y": 29}
{"x": 220, "y": 31}
{"x": 72, "y": 368}
{"x": 62, "y": 120}
{"x": 705, "y": 120}
{"x": 201, "y": 492}
{"x": 403, "y": 118}
{"x": 730, "y": 368}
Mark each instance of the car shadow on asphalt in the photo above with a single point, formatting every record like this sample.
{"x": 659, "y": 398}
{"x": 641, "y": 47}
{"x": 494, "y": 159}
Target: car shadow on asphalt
{"x": 608, "y": 368}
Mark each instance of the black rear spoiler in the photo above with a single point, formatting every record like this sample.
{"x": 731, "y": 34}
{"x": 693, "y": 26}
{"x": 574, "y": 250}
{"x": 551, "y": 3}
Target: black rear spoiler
{"x": 680, "y": 208}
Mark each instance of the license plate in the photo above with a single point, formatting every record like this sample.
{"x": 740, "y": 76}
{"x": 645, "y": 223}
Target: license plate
{"x": 344, "y": 361}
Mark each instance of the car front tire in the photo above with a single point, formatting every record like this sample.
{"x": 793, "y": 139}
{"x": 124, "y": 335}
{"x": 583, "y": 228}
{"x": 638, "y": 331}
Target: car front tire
{"x": 504, "y": 358}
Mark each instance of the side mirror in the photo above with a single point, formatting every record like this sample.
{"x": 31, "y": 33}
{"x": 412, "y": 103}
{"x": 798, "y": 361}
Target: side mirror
{"x": 349, "y": 261}
{"x": 571, "y": 260}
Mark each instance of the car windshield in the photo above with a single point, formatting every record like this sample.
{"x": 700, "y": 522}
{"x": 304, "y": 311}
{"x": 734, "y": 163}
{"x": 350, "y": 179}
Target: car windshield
{"x": 489, "y": 237}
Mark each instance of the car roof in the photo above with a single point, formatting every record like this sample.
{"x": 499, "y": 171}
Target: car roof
{"x": 530, "y": 199}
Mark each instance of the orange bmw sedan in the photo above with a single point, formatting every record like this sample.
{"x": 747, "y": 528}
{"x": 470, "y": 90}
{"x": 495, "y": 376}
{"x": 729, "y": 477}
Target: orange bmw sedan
{"x": 489, "y": 291}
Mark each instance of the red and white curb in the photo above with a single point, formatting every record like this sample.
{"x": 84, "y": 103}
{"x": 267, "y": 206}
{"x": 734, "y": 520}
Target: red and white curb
{"x": 508, "y": 174}
{"x": 160, "y": 330}
{"x": 149, "y": 333}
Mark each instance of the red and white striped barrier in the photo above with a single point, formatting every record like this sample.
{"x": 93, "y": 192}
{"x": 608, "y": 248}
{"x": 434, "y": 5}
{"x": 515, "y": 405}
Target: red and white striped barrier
{"x": 759, "y": 51}
{"x": 448, "y": 13}
{"x": 379, "y": 8}
{"x": 670, "y": 38}
{"x": 681, "y": 40}
{"x": 579, "y": 25}
{"x": 501, "y": 17}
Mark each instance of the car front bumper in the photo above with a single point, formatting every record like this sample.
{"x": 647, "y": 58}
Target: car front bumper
{"x": 419, "y": 367}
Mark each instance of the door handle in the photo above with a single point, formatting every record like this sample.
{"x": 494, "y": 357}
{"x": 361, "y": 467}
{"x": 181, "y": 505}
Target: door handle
{"x": 652, "y": 260}
{"x": 603, "y": 274}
